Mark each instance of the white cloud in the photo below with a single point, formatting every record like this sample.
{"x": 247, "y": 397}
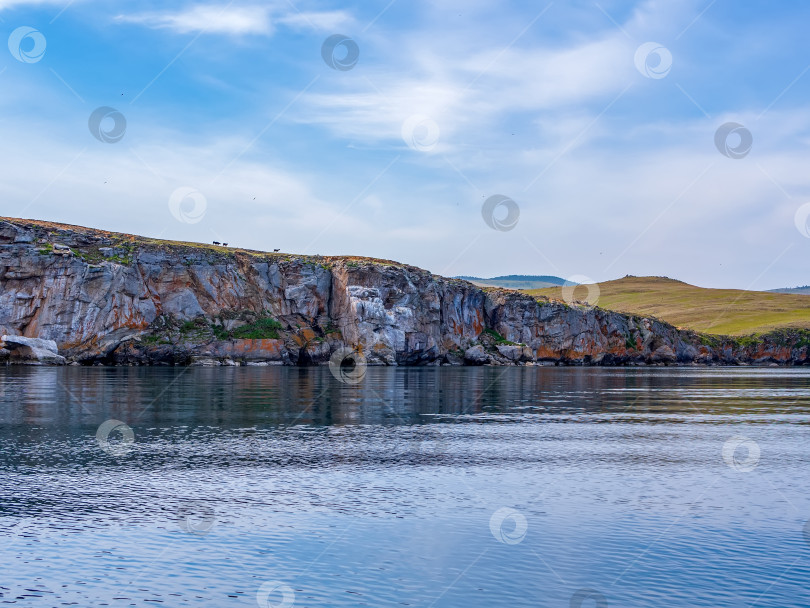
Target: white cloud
{"x": 325, "y": 21}
{"x": 239, "y": 20}
{"x": 581, "y": 216}
{"x": 215, "y": 19}
{"x": 12, "y": 3}
{"x": 468, "y": 89}
{"x": 468, "y": 97}
{"x": 469, "y": 85}
{"x": 605, "y": 178}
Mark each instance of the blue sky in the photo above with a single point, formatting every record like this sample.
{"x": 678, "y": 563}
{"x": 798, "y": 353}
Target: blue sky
{"x": 237, "y": 130}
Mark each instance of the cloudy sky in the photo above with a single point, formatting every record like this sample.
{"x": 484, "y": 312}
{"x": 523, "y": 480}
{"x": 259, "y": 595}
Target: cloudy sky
{"x": 385, "y": 128}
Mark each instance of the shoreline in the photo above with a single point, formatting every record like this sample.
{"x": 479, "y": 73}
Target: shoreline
{"x": 71, "y": 294}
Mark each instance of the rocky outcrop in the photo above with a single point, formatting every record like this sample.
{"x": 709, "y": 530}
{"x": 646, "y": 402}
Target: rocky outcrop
{"x": 120, "y": 299}
{"x": 32, "y": 350}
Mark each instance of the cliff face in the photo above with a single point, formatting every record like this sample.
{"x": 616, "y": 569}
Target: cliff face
{"x": 116, "y": 298}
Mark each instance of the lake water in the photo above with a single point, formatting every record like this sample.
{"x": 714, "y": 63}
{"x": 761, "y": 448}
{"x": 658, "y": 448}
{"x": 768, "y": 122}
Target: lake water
{"x": 428, "y": 487}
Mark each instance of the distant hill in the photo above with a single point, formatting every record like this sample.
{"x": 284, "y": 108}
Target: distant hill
{"x": 517, "y": 281}
{"x": 716, "y": 311}
{"x": 804, "y": 290}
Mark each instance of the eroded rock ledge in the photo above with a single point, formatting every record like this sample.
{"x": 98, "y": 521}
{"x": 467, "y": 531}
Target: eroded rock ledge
{"x": 114, "y": 298}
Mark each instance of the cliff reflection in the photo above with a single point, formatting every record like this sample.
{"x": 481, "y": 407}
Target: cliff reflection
{"x": 280, "y": 396}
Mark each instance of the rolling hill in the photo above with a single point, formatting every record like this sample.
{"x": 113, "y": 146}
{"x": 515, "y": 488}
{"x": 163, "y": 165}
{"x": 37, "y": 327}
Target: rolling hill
{"x": 803, "y": 290}
{"x": 717, "y": 311}
{"x": 516, "y": 281}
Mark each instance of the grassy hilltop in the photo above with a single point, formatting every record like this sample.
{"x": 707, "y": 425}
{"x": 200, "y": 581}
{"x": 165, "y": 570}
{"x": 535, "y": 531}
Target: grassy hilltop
{"x": 732, "y": 312}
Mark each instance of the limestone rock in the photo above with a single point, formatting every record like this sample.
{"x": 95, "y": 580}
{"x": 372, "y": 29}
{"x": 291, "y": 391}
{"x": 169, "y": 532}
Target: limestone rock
{"x": 33, "y": 350}
{"x": 513, "y": 352}
{"x": 178, "y": 304}
{"x": 476, "y": 355}
{"x": 663, "y": 354}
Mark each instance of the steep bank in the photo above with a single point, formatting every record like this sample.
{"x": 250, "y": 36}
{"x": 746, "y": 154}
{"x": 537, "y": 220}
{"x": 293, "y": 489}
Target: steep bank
{"x": 121, "y": 299}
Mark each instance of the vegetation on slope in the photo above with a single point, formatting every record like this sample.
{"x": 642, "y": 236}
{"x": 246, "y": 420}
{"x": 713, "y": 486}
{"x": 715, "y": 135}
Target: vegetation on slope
{"x": 126, "y": 245}
{"x": 730, "y": 312}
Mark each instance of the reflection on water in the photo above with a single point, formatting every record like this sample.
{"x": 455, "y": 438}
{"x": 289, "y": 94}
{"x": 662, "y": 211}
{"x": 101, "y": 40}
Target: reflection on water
{"x": 284, "y": 396}
{"x": 417, "y": 487}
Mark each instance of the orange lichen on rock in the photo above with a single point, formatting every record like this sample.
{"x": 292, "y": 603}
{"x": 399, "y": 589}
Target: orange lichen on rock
{"x": 120, "y": 298}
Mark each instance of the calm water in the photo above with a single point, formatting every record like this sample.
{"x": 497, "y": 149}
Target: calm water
{"x": 418, "y": 487}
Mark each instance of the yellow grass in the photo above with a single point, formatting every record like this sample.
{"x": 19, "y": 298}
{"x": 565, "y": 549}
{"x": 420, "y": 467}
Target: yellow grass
{"x": 122, "y": 237}
{"x": 717, "y": 311}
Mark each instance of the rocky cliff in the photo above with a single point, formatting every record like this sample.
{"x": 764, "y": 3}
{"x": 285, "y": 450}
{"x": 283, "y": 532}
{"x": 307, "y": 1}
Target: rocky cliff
{"x": 115, "y": 298}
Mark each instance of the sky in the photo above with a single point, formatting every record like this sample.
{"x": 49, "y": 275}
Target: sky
{"x": 468, "y": 137}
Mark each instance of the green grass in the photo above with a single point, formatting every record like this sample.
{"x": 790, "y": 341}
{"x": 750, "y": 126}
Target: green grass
{"x": 730, "y": 312}
{"x": 132, "y": 243}
{"x": 259, "y": 329}
{"x": 746, "y": 341}
{"x": 796, "y": 338}
{"x": 710, "y": 341}
{"x": 170, "y": 331}
{"x": 331, "y": 329}
{"x": 155, "y": 340}
{"x": 190, "y": 326}
{"x": 263, "y": 328}
{"x": 629, "y": 342}
{"x": 499, "y": 339}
